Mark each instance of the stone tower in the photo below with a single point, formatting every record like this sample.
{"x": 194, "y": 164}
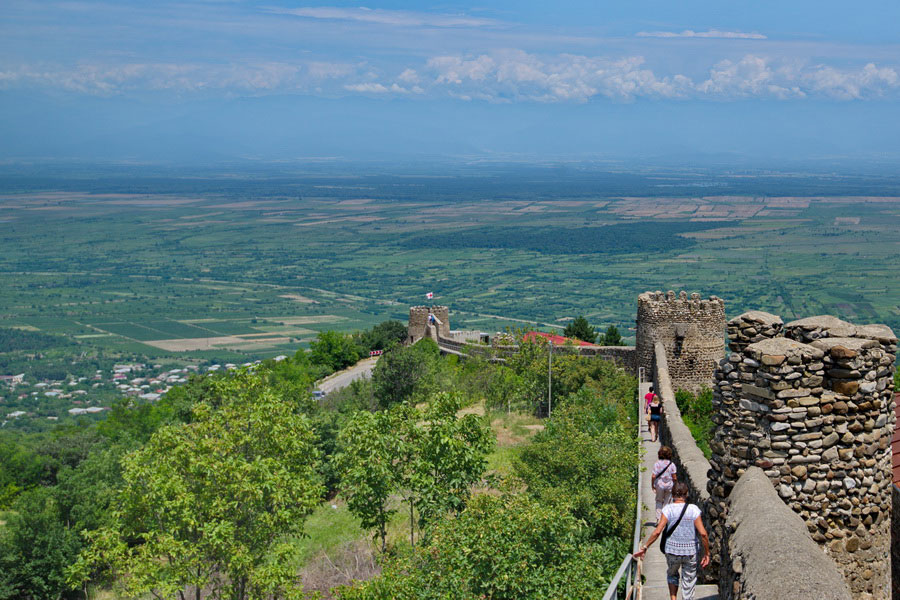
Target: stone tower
{"x": 419, "y": 323}
{"x": 692, "y": 331}
{"x": 811, "y": 403}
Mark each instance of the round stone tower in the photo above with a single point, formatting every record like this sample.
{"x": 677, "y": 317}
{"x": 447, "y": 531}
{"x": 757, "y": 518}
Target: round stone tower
{"x": 418, "y": 318}
{"x": 692, "y": 331}
{"x": 813, "y": 409}
{"x": 418, "y": 322}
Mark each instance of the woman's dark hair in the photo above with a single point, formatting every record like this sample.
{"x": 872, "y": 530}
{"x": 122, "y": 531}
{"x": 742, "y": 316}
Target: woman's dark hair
{"x": 651, "y": 388}
{"x": 665, "y": 453}
{"x": 680, "y": 490}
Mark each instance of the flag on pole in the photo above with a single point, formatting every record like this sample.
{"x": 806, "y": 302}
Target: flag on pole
{"x": 429, "y": 295}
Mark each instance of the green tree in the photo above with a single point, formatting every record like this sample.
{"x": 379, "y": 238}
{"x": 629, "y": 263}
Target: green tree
{"x": 611, "y": 337}
{"x": 334, "y": 350}
{"x": 580, "y": 329}
{"x": 370, "y": 455}
{"x": 499, "y": 547}
{"x": 36, "y": 547}
{"x": 404, "y": 374}
{"x": 452, "y": 456}
{"x": 20, "y": 468}
{"x": 383, "y": 336}
{"x": 210, "y": 505}
{"x": 431, "y": 459}
{"x": 585, "y": 462}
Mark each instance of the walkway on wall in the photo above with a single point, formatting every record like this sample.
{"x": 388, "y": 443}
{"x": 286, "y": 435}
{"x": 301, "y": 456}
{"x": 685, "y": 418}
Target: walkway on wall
{"x": 655, "y": 587}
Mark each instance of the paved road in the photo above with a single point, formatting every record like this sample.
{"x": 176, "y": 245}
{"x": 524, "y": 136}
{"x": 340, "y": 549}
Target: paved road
{"x": 343, "y": 378}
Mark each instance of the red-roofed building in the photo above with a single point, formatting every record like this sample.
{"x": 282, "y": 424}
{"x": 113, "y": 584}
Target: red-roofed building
{"x": 557, "y": 340}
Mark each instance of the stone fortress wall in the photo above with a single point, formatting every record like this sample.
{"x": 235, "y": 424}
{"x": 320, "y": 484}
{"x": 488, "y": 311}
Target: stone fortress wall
{"x": 690, "y": 329}
{"x": 811, "y": 404}
{"x": 419, "y": 326}
{"x": 804, "y": 412}
{"x": 496, "y": 347}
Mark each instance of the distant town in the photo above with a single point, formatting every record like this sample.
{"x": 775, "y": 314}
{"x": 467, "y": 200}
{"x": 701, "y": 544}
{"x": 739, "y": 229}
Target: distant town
{"x": 91, "y": 395}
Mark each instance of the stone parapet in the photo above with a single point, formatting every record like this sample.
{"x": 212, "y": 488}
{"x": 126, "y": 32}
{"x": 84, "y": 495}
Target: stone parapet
{"x": 769, "y": 554}
{"x": 895, "y": 541}
{"x": 752, "y": 326}
{"x": 816, "y": 414}
{"x": 693, "y": 466}
{"x": 624, "y": 356}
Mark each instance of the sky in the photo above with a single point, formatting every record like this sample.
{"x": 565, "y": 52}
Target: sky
{"x": 219, "y": 80}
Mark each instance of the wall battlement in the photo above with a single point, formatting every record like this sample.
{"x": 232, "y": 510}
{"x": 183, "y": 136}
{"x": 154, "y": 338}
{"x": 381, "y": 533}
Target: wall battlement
{"x": 691, "y": 329}
{"x": 420, "y": 327}
{"x": 809, "y": 403}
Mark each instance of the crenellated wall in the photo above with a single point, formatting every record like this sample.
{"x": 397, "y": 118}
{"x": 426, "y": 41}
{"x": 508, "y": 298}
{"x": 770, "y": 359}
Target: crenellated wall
{"x": 420, "y": 327}
{"x": 691, "y": 329}
{"x": 693, "y": 466}
{"x": 804, "y": 413}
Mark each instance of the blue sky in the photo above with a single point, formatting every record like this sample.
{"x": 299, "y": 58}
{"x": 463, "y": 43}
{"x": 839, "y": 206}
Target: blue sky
{"x": 284, "y": 80}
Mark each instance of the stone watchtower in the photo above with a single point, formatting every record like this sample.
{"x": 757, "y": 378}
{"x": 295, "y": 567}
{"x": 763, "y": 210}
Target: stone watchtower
{"x": 691, "y": 330}
{"x": 811, "y": 403}
{"x": 420, "y": 327}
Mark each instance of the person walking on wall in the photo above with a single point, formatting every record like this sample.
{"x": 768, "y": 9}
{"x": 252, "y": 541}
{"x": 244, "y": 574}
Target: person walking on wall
{"x": 654, "y": 409}
{"x": 662, "y": 478}
{"x": 648, "y": 398}
{"x": 683, "y": 526}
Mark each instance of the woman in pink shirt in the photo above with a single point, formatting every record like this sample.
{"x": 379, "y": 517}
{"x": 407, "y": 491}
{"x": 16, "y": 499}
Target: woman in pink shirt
{"x": 662, "y": 477}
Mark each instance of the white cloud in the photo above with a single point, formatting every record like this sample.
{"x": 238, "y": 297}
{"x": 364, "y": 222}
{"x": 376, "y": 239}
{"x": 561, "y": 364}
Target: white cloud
{"x": 514, "y": 75}
{"x": 367, "y": 88}
{"x": 870, "y": 81}
{"x": 380, "y": 16}
{"x": 751, "y": 76}
{"x": 408, "y": 76}
{"x": 501, "y": 76}
{"x": 712, "y": 33}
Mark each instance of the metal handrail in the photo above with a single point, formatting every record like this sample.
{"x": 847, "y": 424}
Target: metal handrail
{"x": 627, "y": 569}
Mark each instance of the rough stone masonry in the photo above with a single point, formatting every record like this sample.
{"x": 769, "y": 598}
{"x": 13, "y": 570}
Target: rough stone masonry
{"x": 418, "y": 322}
{"x": 811, "y": 403}
{"x": 691, "y": 330}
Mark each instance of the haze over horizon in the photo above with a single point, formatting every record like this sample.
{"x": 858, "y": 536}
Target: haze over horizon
{"x": 208, "y": 81}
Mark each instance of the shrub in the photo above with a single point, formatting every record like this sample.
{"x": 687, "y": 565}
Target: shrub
{"x": 405, "y": 374}
{"x": 585, "y": 462}
{"x": 696, "y": 412}
{"x": 500, "y": 547}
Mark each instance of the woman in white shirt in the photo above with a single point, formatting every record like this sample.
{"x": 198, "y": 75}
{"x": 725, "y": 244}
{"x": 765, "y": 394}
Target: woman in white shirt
{"x": 682, "y": 543}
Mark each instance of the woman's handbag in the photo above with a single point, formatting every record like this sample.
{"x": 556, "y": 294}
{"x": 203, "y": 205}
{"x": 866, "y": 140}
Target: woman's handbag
{"x": 668, "y": 531}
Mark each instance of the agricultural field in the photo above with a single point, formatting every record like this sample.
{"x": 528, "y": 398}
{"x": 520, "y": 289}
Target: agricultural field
{"x": 216, "y": 266}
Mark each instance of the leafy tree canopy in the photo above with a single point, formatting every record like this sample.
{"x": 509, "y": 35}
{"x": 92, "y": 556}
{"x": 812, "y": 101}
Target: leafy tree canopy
{"x": 383, "y": 336}
{"x": 334, "y": 350}
{"x": 585, "y": 463}
{"x": 499, "y": 547}
{"x": 610, "y": 337}
{"x": 35, "y": 549}
{"x": 580, "y": 329}
{"x": 210, "y": 504}
{"x": 405, "y": 373}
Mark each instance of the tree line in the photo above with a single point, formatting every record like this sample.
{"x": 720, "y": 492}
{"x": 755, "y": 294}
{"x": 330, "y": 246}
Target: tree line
{"x": 202, "y": 493}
